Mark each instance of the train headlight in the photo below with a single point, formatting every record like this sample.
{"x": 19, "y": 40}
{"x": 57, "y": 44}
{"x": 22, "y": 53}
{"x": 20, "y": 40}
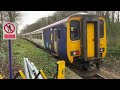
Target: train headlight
{"x": 101, "y": 49}
{"x": 74, "y": 53}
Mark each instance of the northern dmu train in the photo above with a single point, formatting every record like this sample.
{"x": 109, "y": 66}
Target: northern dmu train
{"x": 80, "y": 39}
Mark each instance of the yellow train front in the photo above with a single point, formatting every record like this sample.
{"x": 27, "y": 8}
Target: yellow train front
{"x": 86, "y": 40}
{"x": 80, "y": 39}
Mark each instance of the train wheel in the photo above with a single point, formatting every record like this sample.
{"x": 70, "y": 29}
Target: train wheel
{"x": 89, "y": 66}
{"x": 99, "y": 64}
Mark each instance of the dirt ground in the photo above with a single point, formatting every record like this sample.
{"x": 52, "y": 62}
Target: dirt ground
{"x": 103, "y": 72}
{"x": 71, "y": 75}
{"x": 109, "y": 74}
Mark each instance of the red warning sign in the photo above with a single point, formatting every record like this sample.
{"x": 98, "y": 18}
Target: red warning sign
{"x": 9, "y": 31}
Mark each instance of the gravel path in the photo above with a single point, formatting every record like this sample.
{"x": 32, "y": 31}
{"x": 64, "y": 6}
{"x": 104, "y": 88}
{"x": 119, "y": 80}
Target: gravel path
{"x": 71, "y": 75}
{"x": 108, "y": 74}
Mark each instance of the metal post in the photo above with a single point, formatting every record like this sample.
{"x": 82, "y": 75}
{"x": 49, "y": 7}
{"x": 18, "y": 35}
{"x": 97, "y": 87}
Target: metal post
{"x": 36, "y": 71}
{"x": 10, "y": 58}
{"x": 61, "y": 69}
{"x": 30, "y": 69}
{"x": 26, "y": 69}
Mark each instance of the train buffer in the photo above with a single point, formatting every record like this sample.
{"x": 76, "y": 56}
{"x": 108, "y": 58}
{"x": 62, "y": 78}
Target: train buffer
{"x": 31, "y": 72}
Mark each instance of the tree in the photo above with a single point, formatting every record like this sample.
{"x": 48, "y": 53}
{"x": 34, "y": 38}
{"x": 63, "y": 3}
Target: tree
{"x": 118, "y": 19}
{"x": 1, "y": 19}
{"x": 59, "y": 15}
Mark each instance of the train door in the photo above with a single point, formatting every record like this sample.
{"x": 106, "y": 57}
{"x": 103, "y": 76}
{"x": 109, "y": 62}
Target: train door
{"x": 90, "y": 40}
{"x": 52, "y": 39}
{"x": 55, "y": 41}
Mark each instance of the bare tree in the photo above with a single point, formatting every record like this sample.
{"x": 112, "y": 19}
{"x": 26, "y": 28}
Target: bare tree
{"x": 1, "y": 17}
{"x": 118, "y": 20}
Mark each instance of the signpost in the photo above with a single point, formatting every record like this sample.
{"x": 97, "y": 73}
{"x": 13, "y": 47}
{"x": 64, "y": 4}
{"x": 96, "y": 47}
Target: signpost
{"x": 9, "y": 33}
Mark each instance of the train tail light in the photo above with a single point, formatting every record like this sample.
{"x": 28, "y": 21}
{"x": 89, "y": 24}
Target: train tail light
{"x": 74, "y": 53}
{"x": 101, "y": 49}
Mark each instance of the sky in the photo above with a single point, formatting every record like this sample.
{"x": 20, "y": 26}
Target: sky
{"x": 29, "y": 17}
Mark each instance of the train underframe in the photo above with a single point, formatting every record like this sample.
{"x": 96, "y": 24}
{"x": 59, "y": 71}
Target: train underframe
{"x": 88, "y": 65}
{"x": 91, "y": 65}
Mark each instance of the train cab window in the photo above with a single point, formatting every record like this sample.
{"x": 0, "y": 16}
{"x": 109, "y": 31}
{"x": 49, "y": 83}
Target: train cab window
{"x": 75, "y": 30}
{"x": 101, "y": 29}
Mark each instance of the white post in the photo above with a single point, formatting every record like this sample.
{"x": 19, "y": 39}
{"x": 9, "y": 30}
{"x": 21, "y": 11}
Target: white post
{"x": 31, "y": 69}
{"x": 36, "y": 70}
{"x": 26, "y": 69}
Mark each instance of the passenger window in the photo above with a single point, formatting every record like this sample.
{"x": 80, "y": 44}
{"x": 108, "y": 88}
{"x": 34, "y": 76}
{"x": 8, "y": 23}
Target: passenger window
{"x": 51, "y": 36}
{"x": 33, "y": 35}
{"x": 40, "y": 35}
{"x": 55, "y": 34}
{"x": 36, "y": 36}
{"x": 101, "y": 29}
{"x": 75, "y": 30}
{"x": 59, "y": 33}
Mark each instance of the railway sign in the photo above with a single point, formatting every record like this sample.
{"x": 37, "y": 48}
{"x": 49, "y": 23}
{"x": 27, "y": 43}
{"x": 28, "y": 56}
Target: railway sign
{"x": 9, "y": 31}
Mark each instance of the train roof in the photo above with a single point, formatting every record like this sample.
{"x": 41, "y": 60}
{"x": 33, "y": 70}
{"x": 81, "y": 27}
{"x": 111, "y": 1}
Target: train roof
{"x": 61, "y": 21}
{"x": 56, "y": 23}
{"x": 83, "y": 14}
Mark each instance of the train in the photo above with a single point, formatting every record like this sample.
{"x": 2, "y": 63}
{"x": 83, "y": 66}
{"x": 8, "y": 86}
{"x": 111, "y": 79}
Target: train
{"x": 79, "y": 39}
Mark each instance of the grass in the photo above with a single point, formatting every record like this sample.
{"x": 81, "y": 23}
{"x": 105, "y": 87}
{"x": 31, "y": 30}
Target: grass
{"x": 4, "y": 64}
{"x": 41, "y": 59}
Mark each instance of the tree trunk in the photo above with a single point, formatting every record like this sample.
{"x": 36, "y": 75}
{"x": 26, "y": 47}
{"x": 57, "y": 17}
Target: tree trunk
{"x": 113, "y": 19}
{"x": 1, "y": 31}
{"x": 118, "y": 22}
{"x": 10, "y": 16}
{"x": 1, "y": 17}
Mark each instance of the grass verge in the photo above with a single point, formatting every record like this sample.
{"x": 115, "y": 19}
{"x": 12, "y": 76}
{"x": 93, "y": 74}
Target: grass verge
{"x": 41, "y": 59}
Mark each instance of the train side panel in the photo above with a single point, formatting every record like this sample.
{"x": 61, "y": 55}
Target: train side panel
{"x": 103, "y": 40}
{"x": 47, "y": 39}
{"x": 61, "y": 40}
{"x": 72, "y": 45}
{"x": 37, "y": 38}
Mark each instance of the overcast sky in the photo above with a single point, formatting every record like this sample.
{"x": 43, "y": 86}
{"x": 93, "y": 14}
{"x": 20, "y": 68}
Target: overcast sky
{"x": 29, "y": 17}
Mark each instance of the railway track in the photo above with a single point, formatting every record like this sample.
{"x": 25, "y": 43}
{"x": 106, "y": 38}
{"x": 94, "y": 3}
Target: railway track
{"x": 84, "y": 74}
{"x": 87, "y": 74}
{"x": 96, "y": 76}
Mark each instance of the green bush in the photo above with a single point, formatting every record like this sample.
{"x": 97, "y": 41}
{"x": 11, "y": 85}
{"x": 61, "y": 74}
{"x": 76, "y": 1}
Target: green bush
{"x": 112, "y": 59}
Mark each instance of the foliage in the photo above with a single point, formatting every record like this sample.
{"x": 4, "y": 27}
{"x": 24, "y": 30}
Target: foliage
{"x": 59, "y": 15}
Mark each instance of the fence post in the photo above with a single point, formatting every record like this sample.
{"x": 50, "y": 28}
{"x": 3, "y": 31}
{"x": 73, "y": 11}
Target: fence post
{"x": 61, "y": 70}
